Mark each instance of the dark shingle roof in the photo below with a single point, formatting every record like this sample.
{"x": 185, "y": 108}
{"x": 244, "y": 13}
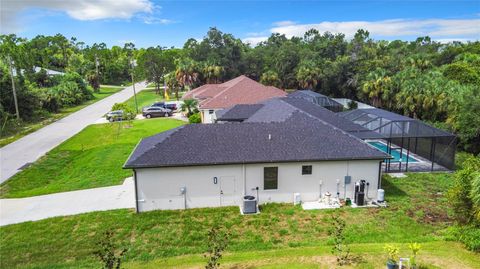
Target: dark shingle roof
{"x": 280, "y": 109}
{"x": 299, "y": 138}
{"x": 238, "y": 112}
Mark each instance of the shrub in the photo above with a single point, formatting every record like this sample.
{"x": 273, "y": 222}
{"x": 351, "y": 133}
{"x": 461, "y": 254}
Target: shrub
{"x": 415, "y": 248}
{"x": 128, "y": 112}
{"x": 465, "y": 201}
{"x": 340, "y": 248}
{"x": 108, "y": 253}
{"x": 217, "y": 243}
{"x": 468, "y": 235}
{"x": 393, "y": 253}
{"x": 195, "y": 118}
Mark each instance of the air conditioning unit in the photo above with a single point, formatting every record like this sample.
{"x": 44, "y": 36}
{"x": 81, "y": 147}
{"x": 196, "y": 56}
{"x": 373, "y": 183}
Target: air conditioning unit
{"x": 249, "y": 204}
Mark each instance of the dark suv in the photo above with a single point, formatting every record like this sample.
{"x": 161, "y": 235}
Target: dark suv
{"x": 155, "y": 111}
{"x": 171, "y": 106}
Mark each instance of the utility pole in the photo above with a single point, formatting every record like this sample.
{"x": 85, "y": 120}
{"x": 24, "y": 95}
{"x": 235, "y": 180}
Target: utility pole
{"x": 164, "y": 84}
{"x": 133, "y": 64}
{"x": 96, "y": 64}
{"x": 10, "y": 63}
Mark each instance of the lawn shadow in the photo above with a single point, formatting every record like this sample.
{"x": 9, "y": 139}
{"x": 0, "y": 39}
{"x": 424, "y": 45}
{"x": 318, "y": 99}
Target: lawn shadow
{"x": 391, "y": 189}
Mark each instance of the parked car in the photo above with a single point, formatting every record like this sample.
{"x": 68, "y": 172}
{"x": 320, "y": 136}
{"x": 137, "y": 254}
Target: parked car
{"x": 116, "y": 115}
{"x": 158, "y": 104}
{"x": 150, "y": 112}
{"x": 171, "y": 106}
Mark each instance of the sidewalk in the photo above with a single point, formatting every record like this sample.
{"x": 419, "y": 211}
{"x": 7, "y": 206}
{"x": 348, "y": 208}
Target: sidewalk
{"x": 67, "y": 203}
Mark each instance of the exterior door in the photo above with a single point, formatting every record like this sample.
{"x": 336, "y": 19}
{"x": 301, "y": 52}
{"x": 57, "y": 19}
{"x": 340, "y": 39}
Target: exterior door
{"x": 227, "y": 191}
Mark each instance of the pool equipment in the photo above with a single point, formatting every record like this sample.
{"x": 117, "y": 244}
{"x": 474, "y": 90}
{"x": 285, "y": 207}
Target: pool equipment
{"x": 328, "y": 196}
{"x": 380, "y": 195}
{"x": 359, "y": 196}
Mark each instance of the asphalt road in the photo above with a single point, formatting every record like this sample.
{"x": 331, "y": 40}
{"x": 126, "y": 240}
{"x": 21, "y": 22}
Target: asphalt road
{"x": 33, "y": 146}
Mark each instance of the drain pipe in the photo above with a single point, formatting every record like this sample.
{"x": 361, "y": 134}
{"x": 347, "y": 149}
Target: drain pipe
{"x": 183, "y": 191}
{"x": 244, "y": 176}
{"x": 320, "y": 189}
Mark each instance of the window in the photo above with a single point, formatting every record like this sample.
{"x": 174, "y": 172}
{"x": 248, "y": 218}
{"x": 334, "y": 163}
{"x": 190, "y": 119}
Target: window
{"x": 210, "y": 112}
{"x": 270, "y": 178}
{"x": 306, "y": 169}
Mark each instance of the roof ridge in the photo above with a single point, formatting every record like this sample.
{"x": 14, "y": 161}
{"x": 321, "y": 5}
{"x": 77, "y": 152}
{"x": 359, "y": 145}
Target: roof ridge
{"x": 321, "y": 120}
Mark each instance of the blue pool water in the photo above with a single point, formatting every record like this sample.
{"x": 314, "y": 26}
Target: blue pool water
{"x": 395, "y": 153}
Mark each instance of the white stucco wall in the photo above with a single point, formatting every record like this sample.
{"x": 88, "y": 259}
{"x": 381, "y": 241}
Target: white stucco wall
{"x": 207, "y": 117}
{"x": 159, "y": 188}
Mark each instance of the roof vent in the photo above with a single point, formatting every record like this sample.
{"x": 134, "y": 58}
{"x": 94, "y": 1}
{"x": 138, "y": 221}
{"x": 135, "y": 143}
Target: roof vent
{"x": 269, "y": 137}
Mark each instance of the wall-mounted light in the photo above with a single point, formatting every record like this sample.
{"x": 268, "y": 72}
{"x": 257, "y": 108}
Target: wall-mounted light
{"x": 215, "y": 180}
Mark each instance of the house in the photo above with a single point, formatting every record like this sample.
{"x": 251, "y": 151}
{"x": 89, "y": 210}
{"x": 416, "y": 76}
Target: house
{"x": 240, "y": 90}
{"x": 272, "y": 156}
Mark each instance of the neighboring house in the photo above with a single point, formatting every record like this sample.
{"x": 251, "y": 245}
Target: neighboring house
{"x": 318, "y": 99}
{"x": 49, "y": 72}
{"x": 240, "y": 90}
{"x": 345, "y": 103}
{"x": 278, "y": 151}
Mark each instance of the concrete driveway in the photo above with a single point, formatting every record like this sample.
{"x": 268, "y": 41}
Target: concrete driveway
{"x": 176, "y": 115}
{"x": 29, "y": 148}
{"x": 67, "y": 203}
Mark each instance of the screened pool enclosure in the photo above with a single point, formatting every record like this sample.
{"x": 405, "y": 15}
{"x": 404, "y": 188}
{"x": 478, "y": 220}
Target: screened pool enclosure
{"x": 318, "y": 99}
{"x": 415, "y": 145}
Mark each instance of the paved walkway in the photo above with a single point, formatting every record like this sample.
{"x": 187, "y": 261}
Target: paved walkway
{"x": 67, "y": 203}
{"x": 31, "y": 147}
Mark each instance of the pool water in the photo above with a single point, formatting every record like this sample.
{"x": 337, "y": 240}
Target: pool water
{"x": 395, "y": 153}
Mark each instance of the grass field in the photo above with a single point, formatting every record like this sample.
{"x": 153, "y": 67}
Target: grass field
{"x": 92, "y": 158}
{"x": 148, "y": 97}
{"x": 282, "y": 236}
{"x": 145, "y": 98}
{"x": 30, "y": 127}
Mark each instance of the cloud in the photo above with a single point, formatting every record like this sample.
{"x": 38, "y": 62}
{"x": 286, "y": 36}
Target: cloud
{"x": 147, "y": 19}
{"x": 84, "y": 10}
{"x": 283, "y": 23}
{"x": 254, "y": 40}
{"x": 466, "y": 29}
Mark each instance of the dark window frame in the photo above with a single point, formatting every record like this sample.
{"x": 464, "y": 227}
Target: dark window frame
{"x": 307, "y": 170}
{"x": 211, "y": 111}
{"x": 270, "y": 178}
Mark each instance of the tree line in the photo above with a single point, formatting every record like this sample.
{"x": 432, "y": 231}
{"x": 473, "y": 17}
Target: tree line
{"x": 424, "y": 79}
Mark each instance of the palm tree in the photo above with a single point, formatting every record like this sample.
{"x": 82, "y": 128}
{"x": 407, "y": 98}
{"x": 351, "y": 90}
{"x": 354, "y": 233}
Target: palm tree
{"x": 172, "y": 83}
{"x": 186, "y": 73}
{"x": 213, "y": 73}
{"x": 270, "y": 78}
{"x": 189, "y": 105}
{"x": 377, "y": 87}
{"x": 308, "y": 77}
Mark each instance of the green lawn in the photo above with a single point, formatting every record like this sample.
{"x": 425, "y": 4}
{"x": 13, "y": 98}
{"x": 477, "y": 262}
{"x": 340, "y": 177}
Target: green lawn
{"x": 92, "y": 158}
{"x": 145, "y": 98}
{"x": 281, "y": 236}
{"x": 32, "y": 126}
{"x": 148, "y": 97}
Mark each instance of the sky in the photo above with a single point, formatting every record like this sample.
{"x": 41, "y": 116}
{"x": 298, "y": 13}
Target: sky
{"x": 170, "y": 23}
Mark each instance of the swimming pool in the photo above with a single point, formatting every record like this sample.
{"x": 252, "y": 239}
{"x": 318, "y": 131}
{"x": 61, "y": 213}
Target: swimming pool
{"x": 395, "y": 153}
